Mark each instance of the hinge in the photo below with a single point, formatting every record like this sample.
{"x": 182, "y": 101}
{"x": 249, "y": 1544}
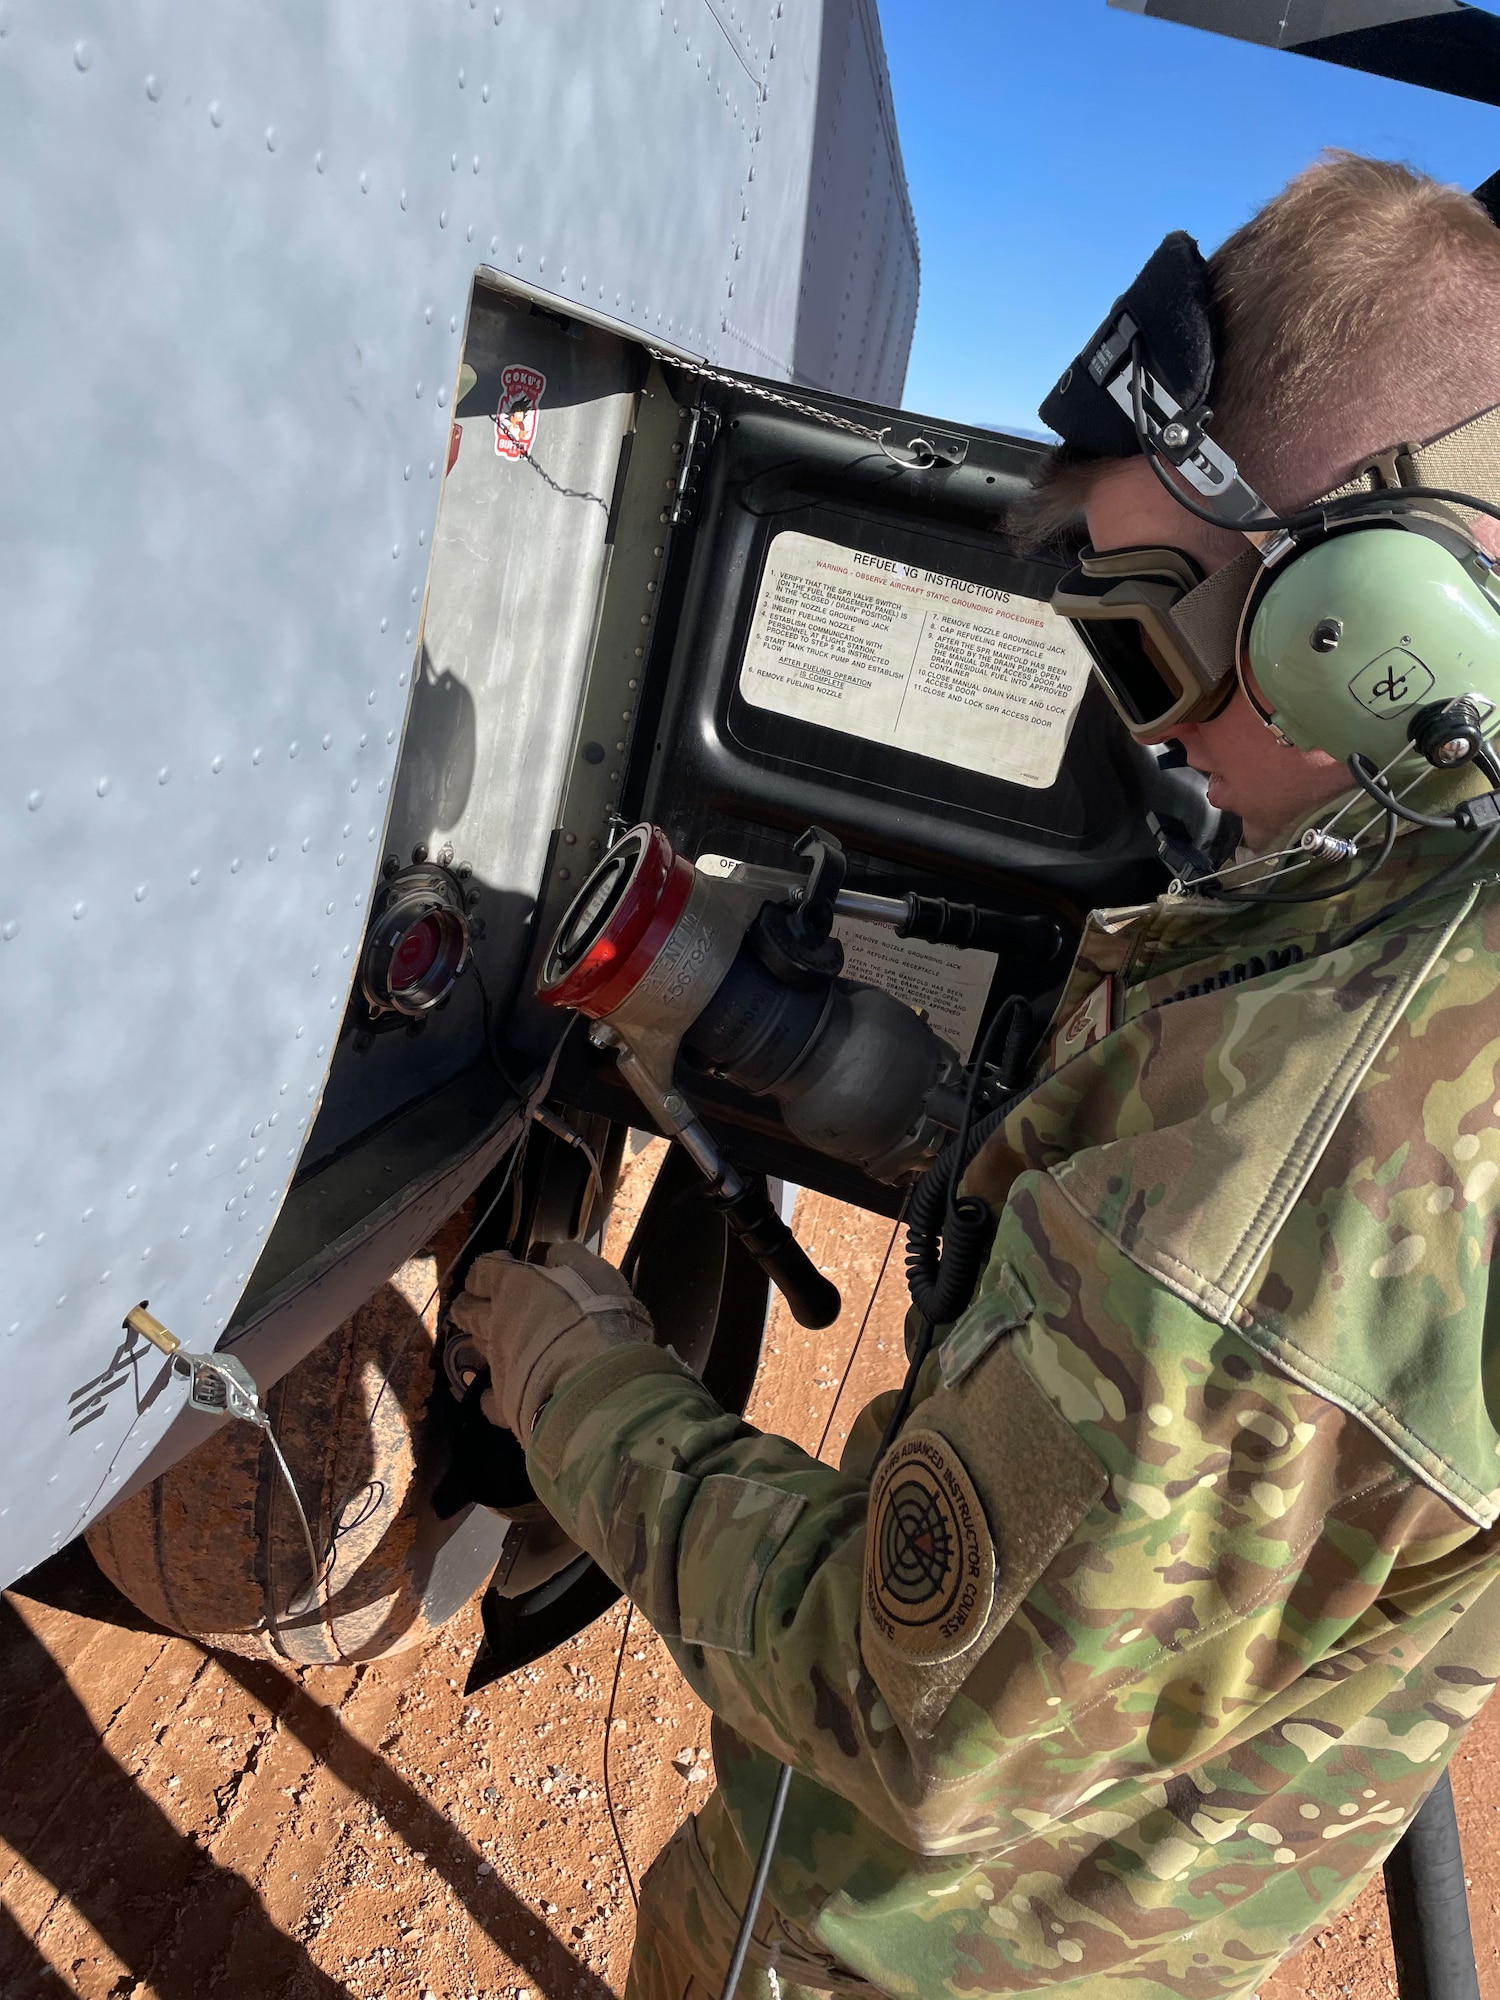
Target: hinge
{"x": 702, "y": 430}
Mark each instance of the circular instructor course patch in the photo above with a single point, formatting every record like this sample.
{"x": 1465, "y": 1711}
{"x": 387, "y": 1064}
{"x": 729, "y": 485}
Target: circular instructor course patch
{"x": 930, "y": 1560}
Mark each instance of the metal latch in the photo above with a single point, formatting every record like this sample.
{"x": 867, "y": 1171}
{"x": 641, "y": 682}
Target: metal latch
{"x": 703, "y": 428}
{"x": 930, "y": 448}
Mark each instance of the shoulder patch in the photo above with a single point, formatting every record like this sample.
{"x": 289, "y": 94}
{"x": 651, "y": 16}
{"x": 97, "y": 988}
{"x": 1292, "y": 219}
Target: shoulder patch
{"x": 930, "y": 1557}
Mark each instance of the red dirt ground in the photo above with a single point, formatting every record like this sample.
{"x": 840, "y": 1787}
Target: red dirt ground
{"x": 175, "y": 1824}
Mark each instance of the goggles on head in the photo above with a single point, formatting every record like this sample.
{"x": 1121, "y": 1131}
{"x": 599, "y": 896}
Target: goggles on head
{"x": 1162, "y": 636}
{"x": 1170, "y": 645}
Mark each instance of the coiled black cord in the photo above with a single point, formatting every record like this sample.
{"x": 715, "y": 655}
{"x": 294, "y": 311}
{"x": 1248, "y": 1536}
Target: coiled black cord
{"x": 948, "y": 1233}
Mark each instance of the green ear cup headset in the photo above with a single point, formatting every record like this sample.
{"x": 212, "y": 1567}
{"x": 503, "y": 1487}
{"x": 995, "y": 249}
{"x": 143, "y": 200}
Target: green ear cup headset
{"x": 1349, "y": 635}
{"x": 1366, "y": 625}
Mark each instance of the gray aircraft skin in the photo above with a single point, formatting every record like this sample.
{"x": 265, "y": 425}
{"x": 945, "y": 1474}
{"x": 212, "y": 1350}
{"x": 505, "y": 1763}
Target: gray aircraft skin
{"x": 249, "y": 657}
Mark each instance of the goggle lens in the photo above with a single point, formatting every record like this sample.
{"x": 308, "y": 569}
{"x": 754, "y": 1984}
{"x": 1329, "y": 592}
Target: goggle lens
{"x": 1123, "y": 657}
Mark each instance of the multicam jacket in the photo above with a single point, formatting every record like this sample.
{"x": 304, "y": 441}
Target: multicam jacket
{"x": 1175, "y": 1594}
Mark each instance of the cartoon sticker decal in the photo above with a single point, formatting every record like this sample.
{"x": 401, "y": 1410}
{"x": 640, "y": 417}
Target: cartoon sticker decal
{"x": 521, "y": 390}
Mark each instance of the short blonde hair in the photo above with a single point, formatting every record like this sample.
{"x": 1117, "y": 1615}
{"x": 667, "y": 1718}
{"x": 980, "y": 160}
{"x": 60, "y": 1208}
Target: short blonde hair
{"x": 1361, "y": 309}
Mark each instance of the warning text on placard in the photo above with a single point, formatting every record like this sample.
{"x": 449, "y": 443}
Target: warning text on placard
{"x": 949, "y": 985}
{"x": 974, "y": 676}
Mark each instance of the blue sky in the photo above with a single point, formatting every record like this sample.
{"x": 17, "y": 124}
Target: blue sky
{"x": 1051, "y": 144}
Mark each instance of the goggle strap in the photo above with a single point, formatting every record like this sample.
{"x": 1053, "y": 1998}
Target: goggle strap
{"x": 1465, "y": 460}
{"x": 1208, "y": 617}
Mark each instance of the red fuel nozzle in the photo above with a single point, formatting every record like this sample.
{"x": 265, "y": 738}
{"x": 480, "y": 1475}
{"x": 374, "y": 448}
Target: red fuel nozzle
{"x": 618, "y": 922}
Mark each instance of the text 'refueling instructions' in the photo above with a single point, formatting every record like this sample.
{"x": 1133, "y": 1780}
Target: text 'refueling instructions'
{"x": 982, "y": 678}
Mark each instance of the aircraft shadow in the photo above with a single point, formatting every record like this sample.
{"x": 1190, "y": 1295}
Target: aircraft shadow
{"x": 157, "y": 1899}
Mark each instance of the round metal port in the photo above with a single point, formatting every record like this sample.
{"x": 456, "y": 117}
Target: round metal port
{"x": 418, "y": 942}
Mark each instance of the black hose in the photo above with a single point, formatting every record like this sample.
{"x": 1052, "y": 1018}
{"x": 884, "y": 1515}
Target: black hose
{"x": 1429, "y": 1910}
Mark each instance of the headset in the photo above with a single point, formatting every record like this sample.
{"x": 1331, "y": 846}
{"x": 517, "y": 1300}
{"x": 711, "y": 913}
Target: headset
{"x": 1366, "y": 625}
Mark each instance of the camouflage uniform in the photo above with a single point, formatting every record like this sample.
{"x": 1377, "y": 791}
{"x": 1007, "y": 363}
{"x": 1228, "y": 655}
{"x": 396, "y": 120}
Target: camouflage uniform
{"x": 1136, "y": 1665}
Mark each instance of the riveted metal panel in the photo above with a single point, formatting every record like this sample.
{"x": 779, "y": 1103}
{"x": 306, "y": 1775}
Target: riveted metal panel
{"x": 858, "y": 298}
{"x": 231, "y": 307}
{"x": 846, "y": 308}
{"x": 762, "y": 277}
{"x": 517, "y": 569}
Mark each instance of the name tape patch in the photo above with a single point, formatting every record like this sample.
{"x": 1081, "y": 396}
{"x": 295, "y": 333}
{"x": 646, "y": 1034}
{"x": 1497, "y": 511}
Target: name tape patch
{"x": 930, "y": 1559}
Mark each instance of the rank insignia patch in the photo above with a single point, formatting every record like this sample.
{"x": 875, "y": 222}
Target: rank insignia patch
{"x": 930, "y": 1559}
{"x": 1088, "y": 1023}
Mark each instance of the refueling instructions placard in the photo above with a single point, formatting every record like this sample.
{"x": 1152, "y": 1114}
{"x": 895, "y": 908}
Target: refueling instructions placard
{"x": 982, "y": 678}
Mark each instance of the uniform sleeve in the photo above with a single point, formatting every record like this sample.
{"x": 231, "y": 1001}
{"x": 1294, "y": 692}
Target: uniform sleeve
{"x": 1174, "y": 1534}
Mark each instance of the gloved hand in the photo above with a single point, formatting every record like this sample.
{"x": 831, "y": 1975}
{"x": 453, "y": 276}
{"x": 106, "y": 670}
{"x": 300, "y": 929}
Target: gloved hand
{"x": 536, "y": 1323}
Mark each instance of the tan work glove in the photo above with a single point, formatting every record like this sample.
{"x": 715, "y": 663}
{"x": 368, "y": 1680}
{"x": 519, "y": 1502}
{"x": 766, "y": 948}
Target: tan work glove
{"x": 536, "y": 1323}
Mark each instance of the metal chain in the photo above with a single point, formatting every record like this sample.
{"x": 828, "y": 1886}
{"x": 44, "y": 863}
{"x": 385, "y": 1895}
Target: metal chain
{"x": 782, "y": 402}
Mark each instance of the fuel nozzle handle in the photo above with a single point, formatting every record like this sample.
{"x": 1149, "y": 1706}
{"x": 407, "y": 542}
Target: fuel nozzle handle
{"x": 817, "y": 901}
{"x": 937, "y": 921}
{"x": 941, "y": 922}
{"x": 742, "y": 1200}
{"x": 814, "y": 1299}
